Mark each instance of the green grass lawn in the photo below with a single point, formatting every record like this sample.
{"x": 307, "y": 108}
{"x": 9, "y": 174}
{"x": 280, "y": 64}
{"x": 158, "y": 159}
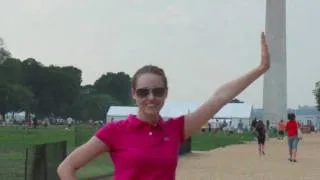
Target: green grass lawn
{"x": 15, "y": 140}
{"x": 207, "y": 141}
{"x": 12, "y": 160}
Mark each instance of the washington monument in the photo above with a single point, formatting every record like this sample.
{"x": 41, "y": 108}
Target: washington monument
{"x": 275, "y": 80}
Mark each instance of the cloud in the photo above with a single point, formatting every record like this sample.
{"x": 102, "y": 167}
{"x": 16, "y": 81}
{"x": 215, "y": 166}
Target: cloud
{"x": 136, "y": 1}
{"x": 172, "y": 10}
{"x": 172, "y": 15}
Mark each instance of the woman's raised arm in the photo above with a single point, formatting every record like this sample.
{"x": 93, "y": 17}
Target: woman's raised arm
{"x": 195, "y": 120}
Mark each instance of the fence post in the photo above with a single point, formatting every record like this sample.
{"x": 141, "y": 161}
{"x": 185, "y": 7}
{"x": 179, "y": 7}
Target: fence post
{"x": 55, "y": 154}
{"x": 185, "y": 147}
{"x": 65, "y": 149}
{"x": 76, "y": 139}
{"x": 45, "y": 163}
{"x": 38, "y": 166}
{"x": 26, "y": 164}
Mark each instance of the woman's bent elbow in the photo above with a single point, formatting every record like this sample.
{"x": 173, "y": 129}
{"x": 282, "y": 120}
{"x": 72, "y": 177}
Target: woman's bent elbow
{"x": 66, "y": 172}
{"x": 79, "y": 158}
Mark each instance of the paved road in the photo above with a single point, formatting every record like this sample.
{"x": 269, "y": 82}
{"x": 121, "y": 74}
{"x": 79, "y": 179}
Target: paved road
{"x": 242, "y": 162}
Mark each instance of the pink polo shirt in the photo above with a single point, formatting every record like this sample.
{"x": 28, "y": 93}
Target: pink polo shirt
{"x": 140, "y": 151}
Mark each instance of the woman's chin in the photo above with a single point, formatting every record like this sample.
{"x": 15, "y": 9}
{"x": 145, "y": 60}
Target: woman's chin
{"x": 151, "y": 112}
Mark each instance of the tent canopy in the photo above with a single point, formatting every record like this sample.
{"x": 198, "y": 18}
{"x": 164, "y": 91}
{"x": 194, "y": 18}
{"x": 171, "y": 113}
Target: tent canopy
{"x": 235, "y": 110}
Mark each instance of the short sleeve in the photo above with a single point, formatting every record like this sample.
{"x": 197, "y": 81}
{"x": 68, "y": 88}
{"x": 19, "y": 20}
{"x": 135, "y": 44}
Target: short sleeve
{"x": 178, "y": 124}
{"x": 106, "y": 134}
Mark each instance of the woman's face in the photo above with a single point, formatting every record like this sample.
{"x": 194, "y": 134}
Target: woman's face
{"x": 150, "y": 93}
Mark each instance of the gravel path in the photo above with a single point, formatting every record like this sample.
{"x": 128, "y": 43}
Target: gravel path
{"x": 242, "y": 162}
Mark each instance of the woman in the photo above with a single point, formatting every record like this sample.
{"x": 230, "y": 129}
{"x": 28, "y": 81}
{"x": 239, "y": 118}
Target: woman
{"x": 293, "y": 139}
{"x": 261, "y": 136}
{"x": 144, "y": 146}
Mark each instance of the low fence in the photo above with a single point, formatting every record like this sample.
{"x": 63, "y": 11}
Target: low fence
{"x": 39, "y": 162}
{"x": 42, "y": 160}
{"x": 36, "y": 162}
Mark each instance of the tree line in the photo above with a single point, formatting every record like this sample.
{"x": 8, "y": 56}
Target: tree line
{"x": 54, "y": 91}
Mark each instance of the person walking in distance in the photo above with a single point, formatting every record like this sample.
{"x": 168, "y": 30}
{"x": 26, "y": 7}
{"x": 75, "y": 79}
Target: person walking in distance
{"x": 292, "y": 129}
{"x": 281, "y": 129}
{"x": 261, "y": 136}
{"x": 144, "y": 146}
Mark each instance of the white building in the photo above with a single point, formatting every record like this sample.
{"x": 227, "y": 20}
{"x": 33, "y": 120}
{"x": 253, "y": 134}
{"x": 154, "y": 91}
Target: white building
{"x": 230, "y": 112}
{"x": 309, "y": 119}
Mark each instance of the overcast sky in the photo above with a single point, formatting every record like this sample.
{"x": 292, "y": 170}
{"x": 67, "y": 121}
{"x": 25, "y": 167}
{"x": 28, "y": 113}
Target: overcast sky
{"x": 200, "y": 43}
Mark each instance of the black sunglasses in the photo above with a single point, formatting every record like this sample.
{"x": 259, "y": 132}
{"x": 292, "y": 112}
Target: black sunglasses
{"x": 156, "y": 92}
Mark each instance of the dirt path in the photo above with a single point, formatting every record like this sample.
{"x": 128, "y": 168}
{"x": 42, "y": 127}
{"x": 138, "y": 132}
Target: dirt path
{"x": 242, "y": 162}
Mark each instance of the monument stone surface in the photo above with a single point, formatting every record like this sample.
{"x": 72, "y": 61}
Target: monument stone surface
{"x": 275, "y": 80}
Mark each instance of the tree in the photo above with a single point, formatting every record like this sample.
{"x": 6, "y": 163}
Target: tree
{"x": 15, "y": 97}
{"x": 34, "y": 77}
{"x": 56, "y": 91}
{"x": 316, "y": 93}
{"x": 4, "y": 54}
{"x": 87, "y": 89}
{"x": 23, "y": 98}
{"x": 96, "y": 106}
{"x": 59, "y": 90}
{"x": 11, "y": 70}
{"x": 116, "y": 85}
{"x": 55, "y": 88}
{"x": 92, "y": 106}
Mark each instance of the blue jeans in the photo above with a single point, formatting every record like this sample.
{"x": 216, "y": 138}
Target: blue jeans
{"x": 293, "y": 142}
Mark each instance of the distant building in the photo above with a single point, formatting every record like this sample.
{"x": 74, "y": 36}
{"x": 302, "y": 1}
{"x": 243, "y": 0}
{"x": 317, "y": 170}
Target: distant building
{"x": 304, "y": 114}
{"x": 308, "y": 115}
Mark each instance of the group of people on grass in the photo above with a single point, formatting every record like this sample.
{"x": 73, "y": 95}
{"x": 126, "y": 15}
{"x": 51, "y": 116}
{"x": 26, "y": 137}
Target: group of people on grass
{"x": 214, "y": 126}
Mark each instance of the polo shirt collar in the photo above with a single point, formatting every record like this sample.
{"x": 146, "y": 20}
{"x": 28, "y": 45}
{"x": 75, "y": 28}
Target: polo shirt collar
{"x": 137, "y": 123}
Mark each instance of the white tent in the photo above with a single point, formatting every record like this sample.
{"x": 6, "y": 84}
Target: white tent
{"x": 18, "y": 116}
{"x": 235, "y": 112}
{"x": 174, "y": 109}
{"x": 120, "y": 112}
{"x": 170, "y": 109}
